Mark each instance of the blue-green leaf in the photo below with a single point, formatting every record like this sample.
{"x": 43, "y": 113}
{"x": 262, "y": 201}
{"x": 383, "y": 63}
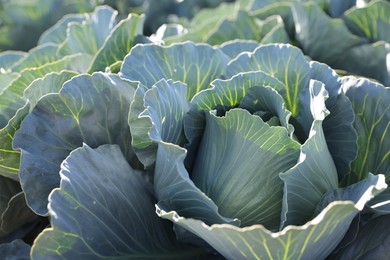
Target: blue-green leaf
{"x": 235, "y": 47}
{"x": 340, "y": 135}
{"x": 205, "y": 23}
{"x": 16, "y": 214}
{"x": 50, "y": 83}
{"x": 239, "y": 26}
{"x": 260, "y": 4}
{"x": 371, "y": 104}
{"x": 287, "y": 64}
{"x": 230, "y": 92}
{"x": 372, "y": 241}
{"x": 354, "y": 192}
{"x": 336, "y": 45}
{"x": 37, "y": 57}
{"x": 226, "y": 94}
{"x": 273, "y": 31}
{"x": 175, "y": 189}
{"x": 314, "y": 240}
{"x": 15, "y": 250}
{"x": 381, "y": 203}
{"x": 272, "y": 8}
{"x": 166, "y": 31}
{"x": 376, "y": 22}
{"x": 9, "y": 58}
{"x": 315, "y": 173}
{"x": 91, "y": 109}
{"x": 11, "y": 99}
{"x": 337, "y": 8}
{"x": 238, "y": 154}
{"x": 118, "y": 43}
{"x": 104, "y": 209}
{"x": 10, "y": 158}
{"x": 8, "y": 188}
{"x": 309, "y": 18}
{"x": 23, "y": 21}
{"x": 6, "y": 78}
{"x": 57, "y": 33}
{"x": 194, "y": 64}
{"x": 158, "y": 118}
{"x": 89, "y": 36}
{"x": 267, "y": 99}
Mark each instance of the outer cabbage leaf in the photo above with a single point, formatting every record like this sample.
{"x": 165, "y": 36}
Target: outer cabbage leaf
{"x": 372, "y": 241}
{"x": 316, "y": 239}
{"x": 91, "y": 109}
{"x": 280, "y": 8}
{"x": 259, "y": 4}
{"x": 315, "y": 173}
{"x": 204, "y": 23}
{"x": 376, "y": 22}
{"x": 6, "y": 78}
{"x": 121, "y": 39}
{"x": 376, "y": 67}
{"x": 104, "y": 209}
{"x": 337, "y": 8}
{"x": 16, "y": 249}
{"x": 362, "y": 187}
{"x": 371, "y": 103}
{"x": 194, "y": 64}
{"x": 273, "y": 31}
{"x": 240, "y": 26}
{"x": 16, "y": 214}
{"x": 10, "y": 158}
{"x": 235, "y": 47}
{"x": 308, "y": 19}
{"x": 228, "y": 22}
{"x": 157, "y": 115}
{"x": 89, "y": 36}
{"x": 8, "y": 189}
{"x": 50, "y": 83}
{"x": 57, "y": 33}
{"x": 11, "y": 99}
{"x": 9, "y": 58}
{"x": 37, "y": 57}
{"x": 337, "y": 46}
{"x": 342, "y": 144}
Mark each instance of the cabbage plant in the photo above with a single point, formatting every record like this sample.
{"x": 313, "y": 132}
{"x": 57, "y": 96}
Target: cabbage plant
{"x": 264, "y": 155}
{"x": 118, "y": 145}
{"x": 254, "y": 165}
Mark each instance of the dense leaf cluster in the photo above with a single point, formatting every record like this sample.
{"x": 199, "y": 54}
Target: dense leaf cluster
{"x": 250, "y": 130}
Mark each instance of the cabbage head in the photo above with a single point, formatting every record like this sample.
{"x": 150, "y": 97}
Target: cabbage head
{"x": 261, "y": 163}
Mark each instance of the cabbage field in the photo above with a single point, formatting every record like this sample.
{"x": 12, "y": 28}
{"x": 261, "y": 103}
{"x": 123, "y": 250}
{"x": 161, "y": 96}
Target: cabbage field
{"x": 184, "y": 129}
